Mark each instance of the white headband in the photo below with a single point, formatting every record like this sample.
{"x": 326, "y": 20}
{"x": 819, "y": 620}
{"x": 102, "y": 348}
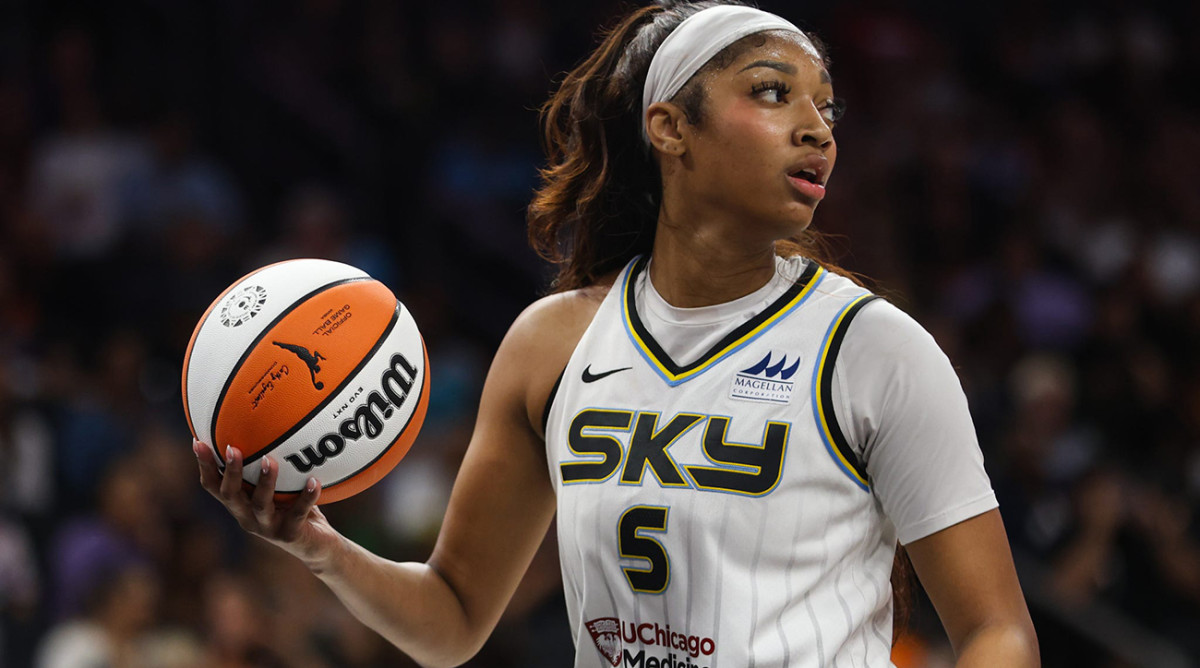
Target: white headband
{"x": 694, "y": 42}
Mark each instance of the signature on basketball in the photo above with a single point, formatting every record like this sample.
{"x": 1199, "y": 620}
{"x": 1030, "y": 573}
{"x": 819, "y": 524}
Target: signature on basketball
{"x": 266, "y": 383}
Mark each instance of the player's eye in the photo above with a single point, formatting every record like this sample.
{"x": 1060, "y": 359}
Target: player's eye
{"x": 771, "y": 91}
{"x": 832, "y": 110}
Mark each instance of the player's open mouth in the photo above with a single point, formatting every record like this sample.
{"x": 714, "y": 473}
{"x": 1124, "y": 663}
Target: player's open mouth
{"x": 808, "y": 185}
{"x": 813, "y": 168}
{"x": 808, "y": 174}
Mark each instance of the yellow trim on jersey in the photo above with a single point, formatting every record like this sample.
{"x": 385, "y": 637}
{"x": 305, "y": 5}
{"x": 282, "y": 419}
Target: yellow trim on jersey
{"x": 821, "y": 408}
{"x": 741, "y": 341}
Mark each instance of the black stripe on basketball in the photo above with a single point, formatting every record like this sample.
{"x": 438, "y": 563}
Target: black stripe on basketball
{"x": 212, "y": 428}
{"x": 334, "y": 393}
{"x": 187, "y": 408}
{"x": 835, "y": 430}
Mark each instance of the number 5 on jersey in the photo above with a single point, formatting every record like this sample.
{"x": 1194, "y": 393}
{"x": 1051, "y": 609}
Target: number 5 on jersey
{"x": 634, "y": 545}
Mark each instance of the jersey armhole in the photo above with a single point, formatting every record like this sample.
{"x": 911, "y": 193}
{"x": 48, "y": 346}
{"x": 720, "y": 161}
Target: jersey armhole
{"x": 550, "y": 401}
{"x": 823, "y": 403}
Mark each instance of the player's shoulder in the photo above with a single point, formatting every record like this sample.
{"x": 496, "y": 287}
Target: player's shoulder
{"x": 884, "y": 326}
{"x": 559, "y": 317}
{"x": 872, "y": 323}
{"x": 881, "y": 335}
{"x": 541, "y": 341}
{"x": 838, "y": 288}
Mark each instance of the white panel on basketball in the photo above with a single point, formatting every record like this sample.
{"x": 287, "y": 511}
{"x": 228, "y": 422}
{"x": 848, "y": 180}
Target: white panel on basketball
{"x": 365, "y": 404}
{"x": 238, "y": 318}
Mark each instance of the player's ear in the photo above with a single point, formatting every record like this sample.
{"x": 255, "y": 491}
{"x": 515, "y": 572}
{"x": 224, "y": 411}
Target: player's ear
{"x": 664, "y": 127}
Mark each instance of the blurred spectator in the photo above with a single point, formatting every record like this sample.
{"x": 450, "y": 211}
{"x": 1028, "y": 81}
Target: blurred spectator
{"x": 20, "y": 586}
{"x": 126, "y": 532}
{"x": 235, "y": 625}
{"x": 180, "y": 184}
{"x": 26, "y": 445}
{"x": 100, "y": 416}
{"x": 117, "y": 628}
{"x": 78, "y": 173}
{"x": 316, "y": 223}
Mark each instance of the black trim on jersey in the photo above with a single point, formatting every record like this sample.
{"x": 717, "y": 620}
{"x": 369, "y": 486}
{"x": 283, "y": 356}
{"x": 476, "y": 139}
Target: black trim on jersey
{"x": 550, "y": 402}
{"x": 827, "y": 364}
{"x": 741, "y": 330}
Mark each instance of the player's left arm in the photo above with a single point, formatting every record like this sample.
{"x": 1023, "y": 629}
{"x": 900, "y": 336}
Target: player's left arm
{"x": 967, "y": 570}
{"x": 907, "y": 410}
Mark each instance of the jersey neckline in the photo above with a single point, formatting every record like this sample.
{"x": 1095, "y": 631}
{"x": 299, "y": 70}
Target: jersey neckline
{"x": 674, "y": 373}
{"x": 654, "y": 307}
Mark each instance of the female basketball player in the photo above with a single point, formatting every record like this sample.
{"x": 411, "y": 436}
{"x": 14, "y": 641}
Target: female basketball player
{"x": 734, "y": 438}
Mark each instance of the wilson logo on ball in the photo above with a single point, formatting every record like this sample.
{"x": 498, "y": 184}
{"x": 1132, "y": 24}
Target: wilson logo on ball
{"x": 367, "y": 420}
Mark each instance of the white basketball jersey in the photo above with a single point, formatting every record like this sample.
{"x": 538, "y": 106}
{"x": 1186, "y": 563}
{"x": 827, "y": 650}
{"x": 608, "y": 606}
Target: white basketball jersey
{"x": 712, "y": 514}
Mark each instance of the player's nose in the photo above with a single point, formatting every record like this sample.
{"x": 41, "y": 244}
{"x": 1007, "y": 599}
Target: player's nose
{"x": 811, "y": 127}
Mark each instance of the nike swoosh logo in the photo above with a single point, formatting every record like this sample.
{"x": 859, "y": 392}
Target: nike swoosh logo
{"x": 589, "y": 377}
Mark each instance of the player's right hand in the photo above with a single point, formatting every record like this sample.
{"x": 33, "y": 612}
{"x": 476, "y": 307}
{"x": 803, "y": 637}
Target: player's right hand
{"x": 299, "y": 528}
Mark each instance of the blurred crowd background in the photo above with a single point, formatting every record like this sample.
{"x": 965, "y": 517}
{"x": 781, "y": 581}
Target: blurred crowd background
{"x": 1022, "y": 177}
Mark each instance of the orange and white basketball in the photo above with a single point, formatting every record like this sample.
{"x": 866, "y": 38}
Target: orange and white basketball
{"x": 315, "y": 363}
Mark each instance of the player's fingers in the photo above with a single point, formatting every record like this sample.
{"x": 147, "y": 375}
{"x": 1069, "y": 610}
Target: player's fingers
{"x": 263, "y": 500}
{"x": 231, "y": 484}
{"x": 210, "y": 475}
{"x": 298, "y": 513}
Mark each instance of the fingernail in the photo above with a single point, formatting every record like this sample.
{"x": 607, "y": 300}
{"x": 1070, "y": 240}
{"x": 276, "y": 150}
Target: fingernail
{"x": 229, "y": 453}
{"x": 265, "y": 466}
{"x": 312, "y": 485}
{"x": 196, "y": 448}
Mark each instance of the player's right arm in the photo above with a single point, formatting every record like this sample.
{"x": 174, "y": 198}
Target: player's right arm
{"x": 441, "y": 612}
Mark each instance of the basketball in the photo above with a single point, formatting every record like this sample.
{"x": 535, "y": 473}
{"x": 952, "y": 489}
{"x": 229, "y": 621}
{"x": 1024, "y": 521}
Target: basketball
{"x": 315, "y": 363}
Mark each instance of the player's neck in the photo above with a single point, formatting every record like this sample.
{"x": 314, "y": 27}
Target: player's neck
{"x": 691, "y": 269}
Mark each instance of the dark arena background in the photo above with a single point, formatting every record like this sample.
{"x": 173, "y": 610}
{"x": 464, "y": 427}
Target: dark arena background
{"x": 1022, "y": 177}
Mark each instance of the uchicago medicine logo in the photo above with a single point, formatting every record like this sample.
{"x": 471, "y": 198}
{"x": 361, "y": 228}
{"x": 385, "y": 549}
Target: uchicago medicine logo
{"x": 606, "y": 633}
{"x": 611, "y": 634}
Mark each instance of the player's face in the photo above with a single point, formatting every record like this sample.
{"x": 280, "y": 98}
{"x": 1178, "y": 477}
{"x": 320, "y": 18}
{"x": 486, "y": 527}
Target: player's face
{"x": 764, "y": 148}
